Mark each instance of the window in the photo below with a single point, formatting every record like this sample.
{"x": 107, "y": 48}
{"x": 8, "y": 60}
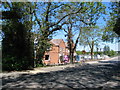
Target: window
{"x": 46, "y": 57}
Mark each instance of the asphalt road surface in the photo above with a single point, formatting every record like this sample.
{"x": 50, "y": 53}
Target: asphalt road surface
{"x": 100, "y": 75}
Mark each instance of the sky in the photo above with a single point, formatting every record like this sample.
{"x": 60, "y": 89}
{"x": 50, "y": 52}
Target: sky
{"x": 113, "y": 46}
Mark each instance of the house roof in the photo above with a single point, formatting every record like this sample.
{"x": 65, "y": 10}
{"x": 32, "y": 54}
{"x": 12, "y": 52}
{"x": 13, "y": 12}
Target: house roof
{"x": 56, "y": 41}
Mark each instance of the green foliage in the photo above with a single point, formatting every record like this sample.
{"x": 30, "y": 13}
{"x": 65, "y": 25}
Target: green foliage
{"x": 117, "y": 27}
{"x": 108, "y": 34}
{"x": 17, "y": 45}
{"x": 113, "y": 24}
{"x": 88, "y": 14}
{"x": 109, "y": 52}
{"x": 100, "y": 53}
{"x": 106, "y": 50}
{"x": 95, "y": 53}
{"x": 112, "y": 53}
{"x": 79, "y": 52}
{"x": 39, "y": 65}
{"x": 48, "y": 18}
{"x": 90, "y": 36}
{"x": 91, "y": 33}
{"x": 12, "y": 63}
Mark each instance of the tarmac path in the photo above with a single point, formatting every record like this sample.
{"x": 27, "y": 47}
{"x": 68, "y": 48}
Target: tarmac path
{"x": 103, "y": 74}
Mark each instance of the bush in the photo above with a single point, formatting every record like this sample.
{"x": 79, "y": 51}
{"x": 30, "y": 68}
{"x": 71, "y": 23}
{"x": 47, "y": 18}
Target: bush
{"x": 13, "y": 63}
{"x": 79, "y": 52}
{"x": 100, "y": 53}
{"x": 112, "y": 53}
{"x": 7, "y": 63}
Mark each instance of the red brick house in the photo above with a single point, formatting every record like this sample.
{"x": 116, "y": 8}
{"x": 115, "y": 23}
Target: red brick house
{"x": 56, "y": 52}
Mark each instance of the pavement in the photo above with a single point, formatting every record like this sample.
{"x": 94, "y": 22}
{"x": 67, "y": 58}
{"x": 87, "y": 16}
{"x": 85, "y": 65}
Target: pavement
{"x": 104, "y": 60}
{"x": 102, "y": 74}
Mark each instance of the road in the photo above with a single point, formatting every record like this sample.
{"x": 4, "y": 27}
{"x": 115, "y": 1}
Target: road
{"x": 104, "y": 74}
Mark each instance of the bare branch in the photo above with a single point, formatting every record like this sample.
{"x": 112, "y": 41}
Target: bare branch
{"x": 56, "y": 7}
{"x": 36, "y": 18}
{"x": 56, "y": 28}
{"x": 65, "y": 30}
{"x": 66, "y": 16}
{"x": 76, "y": 42}
{"x": 47, "y": 12}
{"x": 89, "y": 44}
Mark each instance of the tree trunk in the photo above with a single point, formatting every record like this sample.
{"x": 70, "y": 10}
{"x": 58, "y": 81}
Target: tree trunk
{"x": 92, "y": 48}
{"x": 71, "y": 57}
{"x": 91, "y": 53}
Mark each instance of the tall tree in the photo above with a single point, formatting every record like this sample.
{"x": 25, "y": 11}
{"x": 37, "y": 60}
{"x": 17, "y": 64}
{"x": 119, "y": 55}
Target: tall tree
{"x": 77, "y": 21}
{"x": 106, "y": 50}
{"x": 73, "y": 27}
{"x": 91, "y": 37}
{"x": 17, "y": 45}
{"x": 91, "y": 32}
{"x": 115, "y": 15}
{"x": 112, "y": 27}
{"x": 71, "y": 42}
{"x": 51, "y": 19}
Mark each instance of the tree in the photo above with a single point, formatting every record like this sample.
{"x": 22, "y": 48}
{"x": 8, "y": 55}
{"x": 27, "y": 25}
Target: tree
{"x": 112, "y": 27}
{"x": 17, "y": 45}
{"x": 115, "y": 15}
{"x": 91, "y": 33}
{"x": 52, "y": 18}
{"x": 71, "y": 45}
{"x": 91, "y": 37}
{"x": 76, "y": 21}
{"x": 73, "y": 27}
{"x": 112, "y": 53}
{"x": 71, "y": 33}
{"x": 106, "y": 50}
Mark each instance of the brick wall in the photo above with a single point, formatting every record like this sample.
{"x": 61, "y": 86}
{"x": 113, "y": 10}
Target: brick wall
{"x": 55, "y": 53}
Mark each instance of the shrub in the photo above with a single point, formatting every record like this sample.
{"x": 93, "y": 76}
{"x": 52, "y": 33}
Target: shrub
{"x": 112, "y": 53}
{"x": 12, "y": 63}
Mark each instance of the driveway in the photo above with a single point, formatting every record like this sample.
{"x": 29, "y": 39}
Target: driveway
{"x": 104, "y": 74}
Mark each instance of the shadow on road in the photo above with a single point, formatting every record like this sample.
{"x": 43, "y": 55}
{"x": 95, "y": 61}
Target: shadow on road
{"x": 86, "y": 76}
